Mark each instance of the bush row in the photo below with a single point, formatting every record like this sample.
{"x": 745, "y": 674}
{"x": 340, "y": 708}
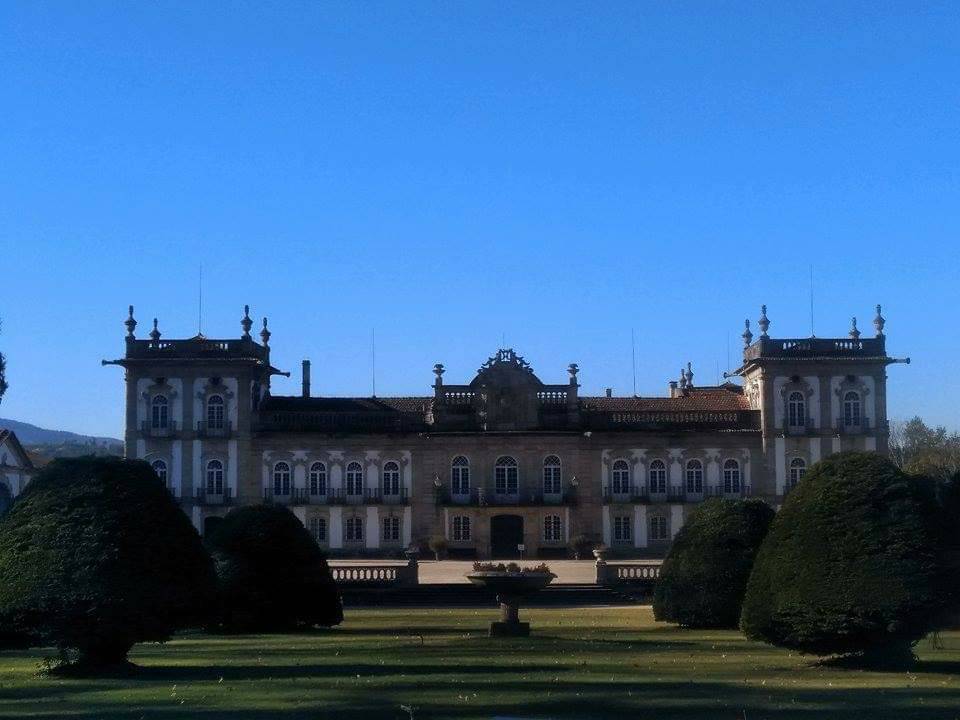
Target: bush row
{"x": 861, "y": 561}
{"x": 95, "y": 556}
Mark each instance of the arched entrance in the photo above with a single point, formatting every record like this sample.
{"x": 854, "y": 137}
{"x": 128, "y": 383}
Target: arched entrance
{"x": 506, "y": 532}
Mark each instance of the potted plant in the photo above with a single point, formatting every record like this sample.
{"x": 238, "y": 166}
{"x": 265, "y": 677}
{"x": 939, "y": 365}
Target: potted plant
{"x": 600, "y": 552}
{"x": 581, "y": 546}
{"x": 438, "y": 545}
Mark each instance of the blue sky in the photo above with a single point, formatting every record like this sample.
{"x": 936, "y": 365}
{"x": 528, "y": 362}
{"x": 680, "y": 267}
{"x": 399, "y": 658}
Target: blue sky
{"x": 450, "y": 174}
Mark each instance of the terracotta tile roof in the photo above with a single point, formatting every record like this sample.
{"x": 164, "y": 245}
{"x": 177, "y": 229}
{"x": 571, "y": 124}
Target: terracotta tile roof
{"x": 346, "y": 404}
{"x": 723, "y": 398}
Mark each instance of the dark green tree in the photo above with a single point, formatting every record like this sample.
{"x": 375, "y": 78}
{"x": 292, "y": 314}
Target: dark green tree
{"x": 704, "y": 576}
{"x": 272, "y": 576}
{"x": 919, "y": 449}
{"x": 96, "y": 556}
{"x": 852, "y": 564}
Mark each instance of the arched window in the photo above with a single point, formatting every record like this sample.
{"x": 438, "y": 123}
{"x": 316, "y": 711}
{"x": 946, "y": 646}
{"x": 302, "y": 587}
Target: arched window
{"x": 391, "y": 529}
{"x": 354, "y": 479}
{"x": 318, "y": 529}
{"x": 391, "y": 478}
{"x": 658, "y": 528}
{"x": 318, "y": 479}
{"x": 281, "y": 479}
{"x": 215, "y": 412}
{"x": 551, "y": 475}
{"x": 851, "y": 409}
{"x": 731, "y": 477}
{"x": 796, "y": 410}
{"x": 159, "y": 412}
{"x": 461, "y": 528}
{"x": 798, "y": 467}
{"x": 506, "y": 476}
{"x": 552, "y": 529}
{"x": 694, "y": 476}
{"x": 622, "y": 528}
{"x": 620, "y": 478}
{"x": 460, "y": 475}
{"x": 658, "y": 477}
{"x": 214, "y": 477}
{"x": 160, "y": 468}
{"x": 354, "y": 529}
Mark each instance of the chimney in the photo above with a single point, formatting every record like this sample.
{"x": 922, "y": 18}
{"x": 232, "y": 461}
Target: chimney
{"x": 673, "y": 388}
{"x": 609, "y": 392}
{"x": 306, "y": 378}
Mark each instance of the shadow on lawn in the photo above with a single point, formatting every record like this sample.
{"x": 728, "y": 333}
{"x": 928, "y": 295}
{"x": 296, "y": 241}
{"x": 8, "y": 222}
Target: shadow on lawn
{"x": 588, "y": 700}
{"x": 307, "y": 671}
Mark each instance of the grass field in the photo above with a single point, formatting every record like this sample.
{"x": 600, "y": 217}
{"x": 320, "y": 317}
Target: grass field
{"x": 582, "y": 663}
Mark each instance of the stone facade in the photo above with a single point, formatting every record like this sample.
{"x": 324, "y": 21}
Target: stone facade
{"x": 16, "y": 468}
{"x": 502, "y": 461}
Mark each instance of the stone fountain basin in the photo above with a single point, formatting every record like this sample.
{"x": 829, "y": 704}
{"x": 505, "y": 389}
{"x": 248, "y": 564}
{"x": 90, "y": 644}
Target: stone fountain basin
{"x": 511, "y": 583}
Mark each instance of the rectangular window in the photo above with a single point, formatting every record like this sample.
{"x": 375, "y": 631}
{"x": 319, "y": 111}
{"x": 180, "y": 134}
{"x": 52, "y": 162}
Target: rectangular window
{"x": 354, "y": 529}
{"x": 552, "y": 528}
{"x": 391, "y": 529}
{"x": 461, "y": 528}
{"x": 318, "y": 529}
{"x": 622, "y": 528}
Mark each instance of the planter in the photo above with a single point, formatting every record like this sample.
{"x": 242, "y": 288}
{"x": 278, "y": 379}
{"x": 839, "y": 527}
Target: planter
{"x": 510, "y": 589}
{"x": 600, "y": 553}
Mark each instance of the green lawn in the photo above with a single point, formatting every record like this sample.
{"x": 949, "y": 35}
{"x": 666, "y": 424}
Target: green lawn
{"x": 582, "y": 663}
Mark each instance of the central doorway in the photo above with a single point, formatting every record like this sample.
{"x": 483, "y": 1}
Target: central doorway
{"x": 506, "y": 532}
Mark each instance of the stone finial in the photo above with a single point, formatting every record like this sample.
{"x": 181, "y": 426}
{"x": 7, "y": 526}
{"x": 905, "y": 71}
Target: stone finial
{"x": 683, "y": 379}
{"x": 879, "y": 322}
{"x": 155, "y": 333}
{"x": 130, "y": 323}
{"x": 854, "y": 332}
{"x": 438, "y": 370}
{"x": 265, "y": 333}
{"x": 573, "y": 369}
{"x": 764, "y": 322}
{"x": 246, "y": 323}
{"x": 688, "y": 375}
{"x": 747, "y": 335}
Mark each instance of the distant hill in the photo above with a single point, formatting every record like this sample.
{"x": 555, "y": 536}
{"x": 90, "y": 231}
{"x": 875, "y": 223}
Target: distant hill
{"x": 44, "y": 445}
{"x": 29, "y": 434}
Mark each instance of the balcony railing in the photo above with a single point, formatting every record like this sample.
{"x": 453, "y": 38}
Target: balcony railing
{"x": 479, "y": 497}
{"x": 222, "y": 430}
{"x": 166, "y": 430}
{"x": 203, "y": 496}
{"x": 633, "y": 494}
{"x": 815, "y": 347}
{"x": 303, "y": 496}
{"x": 863, "y": 426}
{"x": 198, "y": 347}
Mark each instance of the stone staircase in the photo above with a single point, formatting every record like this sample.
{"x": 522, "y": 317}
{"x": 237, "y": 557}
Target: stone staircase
{"x": 464, "y": 595}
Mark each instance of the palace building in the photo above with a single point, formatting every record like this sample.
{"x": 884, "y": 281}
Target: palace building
{"x": 503, "y": 459}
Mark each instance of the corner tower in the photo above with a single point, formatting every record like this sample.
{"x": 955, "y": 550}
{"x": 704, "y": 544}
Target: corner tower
{"x": 190, "y": 410}
{"x": 816, "y": 396}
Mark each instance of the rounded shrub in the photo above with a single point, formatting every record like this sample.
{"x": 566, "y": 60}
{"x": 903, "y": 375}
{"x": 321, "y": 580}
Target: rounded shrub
{"x": 851, "y": 565}
{"x": 271, "y": 575}
{"x": 95, "y": 556}
{"x": 704, "y": 577}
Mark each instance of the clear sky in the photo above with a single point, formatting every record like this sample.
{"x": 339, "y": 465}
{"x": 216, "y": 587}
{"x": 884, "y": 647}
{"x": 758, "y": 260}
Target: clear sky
{"x": 456, "y": 174}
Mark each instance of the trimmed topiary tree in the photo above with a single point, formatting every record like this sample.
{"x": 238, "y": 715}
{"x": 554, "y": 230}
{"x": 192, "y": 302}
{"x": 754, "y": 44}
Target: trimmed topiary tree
{"x": 705, "y": 575}
{"x": 272, "y": 576}
{"x": 96, "y": 556}
{"x": 851, "y": 565}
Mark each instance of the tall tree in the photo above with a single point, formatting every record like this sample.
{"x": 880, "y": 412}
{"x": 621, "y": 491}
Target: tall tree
{"x": 919, "y": 449}
{"x": 3, "y": 372}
